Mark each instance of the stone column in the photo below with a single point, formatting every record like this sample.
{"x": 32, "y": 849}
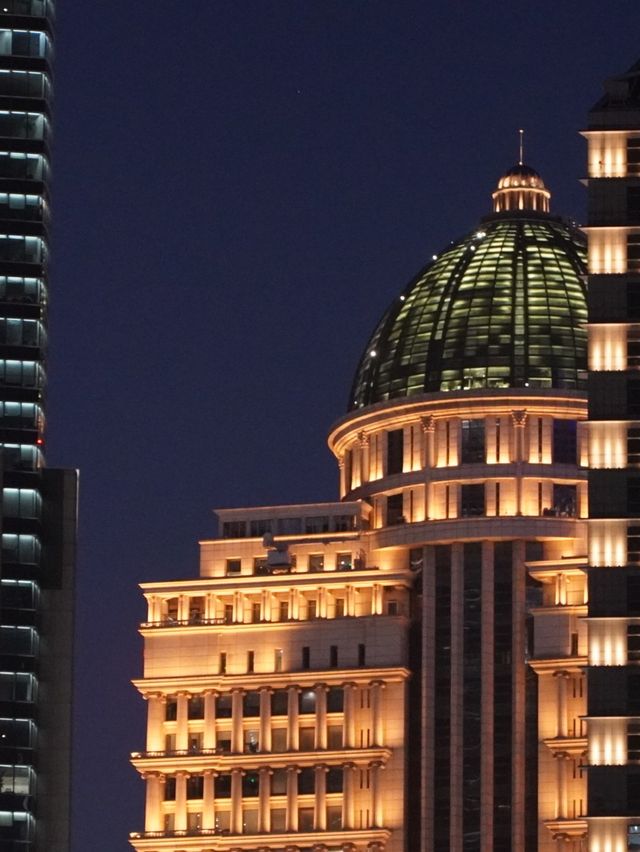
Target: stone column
{"x": 265, "y": 718}
{"x": 209, "y": 739}
{"x": 236, "y": 801}
{"x": 183, "y": 608}
{"x": 238, "y": 607}
{"x": 563, "y": 810}
{"x": 181, "y": 801}
{"x": 210, "y": 601}
{"x": 321, "y": 715}
{"x": 348, "y": 796}
{"x": 364, "y": 456}
{"x": 293, "y": 733}
{"x": 349, "y": 715}
{"x": 322, "y": 602}
{"x": 153, "y": 810}
{"x": 562, "y": 723}
{"x": 156, "y": 708}
{"x": 343, "y": 484}
{"x": 182, "y": 722}
{"x": 519, "y": 420}
{"x": 350, "y": 600}
{"x": 376, "y": 599}
{"x": 377, "y": 715}
{"x": 294, "y": 604}
{"x": 237, "y": 739}
{"x": 292, "y": 798}
{"x": 429, "y": 432}
{"x": 377, "y": 815}
{"x": 208, "y": 799}
{"x": 518, "y": 688}
{"x": 265, "y": 607}
{"x": 320, "y": 814}
{"x": 264, "y": 801}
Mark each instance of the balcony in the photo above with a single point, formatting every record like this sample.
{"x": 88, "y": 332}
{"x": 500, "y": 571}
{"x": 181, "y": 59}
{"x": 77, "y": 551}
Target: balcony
{"x": 192, "y": 838}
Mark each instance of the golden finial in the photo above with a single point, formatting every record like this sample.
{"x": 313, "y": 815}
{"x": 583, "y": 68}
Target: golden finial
{"x": 521, "y": 160}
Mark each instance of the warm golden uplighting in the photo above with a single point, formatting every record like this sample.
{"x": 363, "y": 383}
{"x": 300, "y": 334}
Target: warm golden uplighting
{"x": 607, "y": 347}
{"x": 607, "y": 154}
{"x": 607, "y": 251}
{"x": 607, "y": 444}
{"x": 607, "y": 543}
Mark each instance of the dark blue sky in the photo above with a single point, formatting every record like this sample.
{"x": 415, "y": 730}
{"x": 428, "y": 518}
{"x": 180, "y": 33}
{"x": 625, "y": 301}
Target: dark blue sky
{"x": 240, "y": 189}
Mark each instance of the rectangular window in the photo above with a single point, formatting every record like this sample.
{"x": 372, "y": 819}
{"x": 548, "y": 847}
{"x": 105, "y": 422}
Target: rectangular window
{"x": 395, "y": 451}
{"x": 234, "y": 529}
{"x": 223, "y": 707}
{"x": 284, "y": 610}
{"x": 307, "y": 739}
{"x": 395, "y": 512}
{"x": 255, "y": 612}
{"x": 633, "y": 445}
{"x": 222, "y": 665}
{"x": 259, "y": 527}
{"x": 305, "y": 819}
{"x": 565, "y": 442}
{"x": 277, "y": 660}
{"x": 633, "y": 396}
{"x": 339, "y": 607}
{"x": 171, "y": 710}
{"x": 633, "y": 642}
{"x": 278, "y": 740}
{"x": 316, "y": 524}
{"x": 312, "y": 609}
{"x": 633, "y": 300}
{"x": 633, "y": 495}
{"x": 195, "y": 707}
{"x": 472, "y": 442}
{"x": 565, "y": 501}
{"x": 334, "y": 736}
{"x": 307, "y": 701}
{"x": 633, "y": 252}
{"x": 361, "y": 654}
{"x": 333, "y": 657}
{"x": 343, "y": 562}
{"x": 633, "y": 350}
{"x": 251, "y": 661}
{"x": 335, "y": 700}
{"x": 316, "y": 562}
{"x": 633, "y": 205}
{"x": 233, "y": 566}
{"x": 279, "y": 702}
{"x": 633, "y": 156}
{"x": 306, "y": 657}
{"x": 472, "y": 500}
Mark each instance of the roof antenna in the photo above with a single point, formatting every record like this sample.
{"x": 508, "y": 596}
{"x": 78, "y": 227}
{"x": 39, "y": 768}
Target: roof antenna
{"x": 521, "y": 160}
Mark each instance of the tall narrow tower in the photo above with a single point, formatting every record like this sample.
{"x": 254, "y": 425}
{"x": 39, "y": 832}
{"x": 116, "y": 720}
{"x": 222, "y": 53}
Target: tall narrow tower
{"x": 613, "y": 135}
{"x": 38, "y": 507}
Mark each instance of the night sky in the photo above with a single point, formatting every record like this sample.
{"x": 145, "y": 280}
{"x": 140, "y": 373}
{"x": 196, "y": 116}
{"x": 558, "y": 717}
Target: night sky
{"x": 240, "y": 190}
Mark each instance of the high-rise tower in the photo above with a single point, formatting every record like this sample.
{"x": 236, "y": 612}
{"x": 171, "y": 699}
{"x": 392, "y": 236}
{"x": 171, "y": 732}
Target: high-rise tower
{"x": 402, "y": 670}
{"x": 613, "y": 136}
{"x": 38, "y": 509}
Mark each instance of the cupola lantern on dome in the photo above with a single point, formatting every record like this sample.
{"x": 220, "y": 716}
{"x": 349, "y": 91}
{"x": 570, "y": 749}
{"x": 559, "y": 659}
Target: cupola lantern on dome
{"x": 521, "y": 188}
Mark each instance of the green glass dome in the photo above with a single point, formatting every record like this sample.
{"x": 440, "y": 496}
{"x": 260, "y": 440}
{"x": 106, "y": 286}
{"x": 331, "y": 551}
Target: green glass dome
{"x": 504, "y": 307}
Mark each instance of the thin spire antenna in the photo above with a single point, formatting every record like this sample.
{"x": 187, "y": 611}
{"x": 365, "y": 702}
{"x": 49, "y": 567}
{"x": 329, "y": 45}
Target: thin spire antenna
{"x": 521, "y": 160}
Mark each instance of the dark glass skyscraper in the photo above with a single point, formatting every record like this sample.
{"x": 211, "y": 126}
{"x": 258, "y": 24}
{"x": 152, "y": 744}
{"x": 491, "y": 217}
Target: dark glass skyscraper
{"x": 38, "y": 510}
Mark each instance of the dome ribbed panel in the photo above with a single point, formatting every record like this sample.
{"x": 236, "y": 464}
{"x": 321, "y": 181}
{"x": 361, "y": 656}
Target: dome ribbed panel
{"x": 503, "y": 307}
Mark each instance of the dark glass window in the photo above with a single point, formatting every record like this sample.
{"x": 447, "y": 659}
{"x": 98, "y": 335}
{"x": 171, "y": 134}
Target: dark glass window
{"x": 565, "y": 445}
{"x": 335, "y": 700}
{"x": 250, "y": 785}
{"x": 633, "y": 300}
{"x": 633, "y": 252}
{"x": 279, "y": 702}
{"x": 234, "y": 566}
{"x": 633, "y": 351}
{"x": 472, "y": 441}
{"x": 472, "y": 500}
{"x": 633, "y": 445}
{"x": 251, "y": 704}
{"x": 306, "y": 657}
{"x": 633, "y": 156}
{"x": 633, "y": 396}
{"x": 223, "y": 707}
{"x": 234, "y": 529}
{"x": 565, "y": 498}
{"x": 306, "y": 780}
{"x": 633, "y": 586}
{"x": 633, "y": 205}
{"x": 344, "y": 562}
{"x": 316, "y": 524}
{"x": 307, "y": 701}
{"x": 633, "y": 642}
{"x": 316, "y": 562}
{"x": 195, "y": 786}
{"x": 395, "y": 451}
{"x": 394, "y": 509}
{"x": 362, "y": 652}
{"x": 171, "y": 710}
{"x": 196, "y": 707}
{"x": 344, "y": 523}
{"x": 335, "y": 780}
{"x": 259, "y": 527}
{"x": 633, "y": 495}
{"x": 333, "y": 656}
{"x": 222, "y": 786}
{"x": 170, "y": 789}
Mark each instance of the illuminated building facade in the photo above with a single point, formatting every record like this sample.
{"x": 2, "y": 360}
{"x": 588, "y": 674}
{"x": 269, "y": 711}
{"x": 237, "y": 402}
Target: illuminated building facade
{"x": 403, "y": 669}
{"x": 38, "y": 508}
{"x": 613, "y": 136}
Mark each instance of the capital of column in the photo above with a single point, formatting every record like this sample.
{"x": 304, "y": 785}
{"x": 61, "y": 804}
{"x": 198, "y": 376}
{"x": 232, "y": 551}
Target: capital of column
{"x": 210, "y": 773}
{"x": 376, "y": 764}
{"x": 379, "y": 683}
{"x": 428, "y": 423}
{"x": 265, "y": 770}
{"x": 238, "y": 690}
{"x": 519, "y": 417}
{"x": 562, "y": 755}
{"x": 151, "y": 774}
{"x": 321, "y": 767}
{"x": 183, "y": 694}
{"x": 350, "y": 684}
{"x": 182, "y": 773}
{"x": 294, "y": 688}
{"x": 317, "y": 686}
{"x": 341, "y": 462}
{"x": 158, "y": 696}
{"x": 349, "y": 766}
{"x": 238, "y": 771}
{"x": 294, "y": 769}
{"x": 206, "y": 692}
{"x": 375, "y": 846}
{"x": 268, "y": 689}
{"x": 363, "y": 439}
{"x": 563, "y": 673}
